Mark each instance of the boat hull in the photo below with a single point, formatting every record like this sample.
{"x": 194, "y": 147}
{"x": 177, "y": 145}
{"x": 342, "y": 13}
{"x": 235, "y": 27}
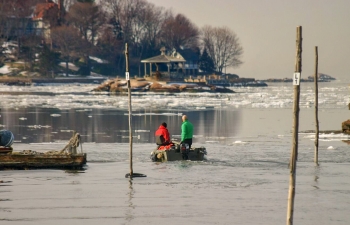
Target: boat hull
{"x": 196, "y": 154}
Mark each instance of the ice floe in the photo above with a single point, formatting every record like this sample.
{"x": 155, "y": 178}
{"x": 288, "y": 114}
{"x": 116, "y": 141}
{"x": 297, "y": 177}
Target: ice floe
{"x": 81, "y": 98}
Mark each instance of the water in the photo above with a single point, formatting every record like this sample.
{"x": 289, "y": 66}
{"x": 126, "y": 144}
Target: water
{"x": 244, "y": 181}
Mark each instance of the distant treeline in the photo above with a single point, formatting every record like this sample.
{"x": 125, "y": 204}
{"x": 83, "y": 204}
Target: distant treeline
{"x": 321, "y": 78}
{"x": 44, "y": 33}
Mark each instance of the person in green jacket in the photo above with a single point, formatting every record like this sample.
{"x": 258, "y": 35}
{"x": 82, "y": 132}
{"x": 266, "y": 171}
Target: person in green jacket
{"x": 186, "y": 131}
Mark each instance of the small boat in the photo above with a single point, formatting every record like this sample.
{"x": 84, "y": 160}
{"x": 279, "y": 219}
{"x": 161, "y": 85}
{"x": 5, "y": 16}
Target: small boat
{"x": 67, "y": 158}
{"x": 178, "y": 152}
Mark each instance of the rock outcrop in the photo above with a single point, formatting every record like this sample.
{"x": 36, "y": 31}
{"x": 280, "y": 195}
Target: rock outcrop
{"x": 142, "y": 85}
{"x": 345, "y": 126}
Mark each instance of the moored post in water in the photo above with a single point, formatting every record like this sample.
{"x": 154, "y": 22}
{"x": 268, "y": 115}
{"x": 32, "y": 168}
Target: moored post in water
{"x": 316, "y": 106}
{"x": 294, "y": 152}
{"x": 127, "y": 77}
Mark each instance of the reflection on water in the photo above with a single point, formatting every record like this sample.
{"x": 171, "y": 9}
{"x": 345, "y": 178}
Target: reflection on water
{"x": 34, "y": 125}
{"x": 129, "y": 216}
{"x": 45, "y": 125}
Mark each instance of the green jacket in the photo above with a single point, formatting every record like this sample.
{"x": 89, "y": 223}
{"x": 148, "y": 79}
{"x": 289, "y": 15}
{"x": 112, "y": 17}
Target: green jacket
{"x": 186, "y": 130}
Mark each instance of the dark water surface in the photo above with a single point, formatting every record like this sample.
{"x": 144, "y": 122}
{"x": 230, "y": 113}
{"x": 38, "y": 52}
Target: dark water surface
{"x": 244, "y": 180}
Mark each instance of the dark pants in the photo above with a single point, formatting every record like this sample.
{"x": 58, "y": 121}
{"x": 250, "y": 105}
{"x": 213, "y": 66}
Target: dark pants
{"x": 188, "y": 141}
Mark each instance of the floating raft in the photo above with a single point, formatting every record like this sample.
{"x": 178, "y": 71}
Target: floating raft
{"x": 67, "y": 158}
{"x": 33, "y": 160}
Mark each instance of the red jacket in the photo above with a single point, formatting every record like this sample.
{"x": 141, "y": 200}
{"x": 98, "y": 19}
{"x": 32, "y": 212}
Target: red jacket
{"x": 163, "y": 131}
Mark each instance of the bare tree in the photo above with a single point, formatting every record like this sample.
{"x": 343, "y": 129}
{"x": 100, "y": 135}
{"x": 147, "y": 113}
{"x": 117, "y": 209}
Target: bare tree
{"x": 67, "y": 4}
{"x": 223, "y": 47}
{"x": 18, "y": 23}
{"x": 29, "y": 48}
{"x": 4, "y": 34}
{"x": 114, "y": 8}
{"x": 125, "y": 12}
{"x": 139, "y": 25}
{"x": 48, "y": 61}
{"x": 130, "y": 16}
{"x": 4, "y": 19}
{"x": 154, "y": 19}
{"x": 88, "y": 19}
{"x": 179, "y": 32}
{"x": 138, "y": 19}
{"x": 67, "y": 42}
{"x": 109, "y": 47}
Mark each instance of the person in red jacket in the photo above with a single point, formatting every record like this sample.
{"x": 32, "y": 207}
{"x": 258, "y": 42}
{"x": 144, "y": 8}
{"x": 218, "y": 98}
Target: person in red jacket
{"x": 162, "y": 135}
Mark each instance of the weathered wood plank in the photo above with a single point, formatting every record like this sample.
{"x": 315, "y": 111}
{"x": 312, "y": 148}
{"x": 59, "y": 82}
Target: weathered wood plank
{"x": 19, "y": 161}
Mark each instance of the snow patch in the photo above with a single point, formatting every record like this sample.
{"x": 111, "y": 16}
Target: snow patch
{"x": 5, "y": 69}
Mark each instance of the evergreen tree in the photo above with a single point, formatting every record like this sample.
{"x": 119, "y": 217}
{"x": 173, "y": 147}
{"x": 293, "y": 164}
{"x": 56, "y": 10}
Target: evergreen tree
{"x": 117, "y": 29}
{"x": 206, "y": 64}
{"x": 48, "y": 61}
{"x": 30, "y": 45}
{"x": 89, "y": 19}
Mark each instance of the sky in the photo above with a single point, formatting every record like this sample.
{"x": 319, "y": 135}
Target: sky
{"x": 267, "y": 32}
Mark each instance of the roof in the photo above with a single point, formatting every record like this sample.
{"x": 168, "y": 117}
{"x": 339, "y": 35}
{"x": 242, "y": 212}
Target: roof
{"x": 41, "y": 8}
{"x": 163, "y": 58}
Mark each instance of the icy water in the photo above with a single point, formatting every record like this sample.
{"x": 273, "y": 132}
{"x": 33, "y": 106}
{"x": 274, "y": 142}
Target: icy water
{"x": 244, "y": 180}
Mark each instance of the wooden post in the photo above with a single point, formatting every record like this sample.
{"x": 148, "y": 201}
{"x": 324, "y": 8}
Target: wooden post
{"x": 294, "y": 152}
{"x": 73, "y": 148}
{"x": 316, "y": 106}
{"x": 127, "y": 76}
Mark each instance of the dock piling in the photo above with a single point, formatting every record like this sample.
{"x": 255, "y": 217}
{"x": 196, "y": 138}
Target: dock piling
{"x": 316, "y": 106}
{"x": 294, "y": 152}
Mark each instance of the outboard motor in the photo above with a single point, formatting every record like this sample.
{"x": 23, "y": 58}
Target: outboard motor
{"x": 153, "y": 157}
{"x": 185, "y": 149}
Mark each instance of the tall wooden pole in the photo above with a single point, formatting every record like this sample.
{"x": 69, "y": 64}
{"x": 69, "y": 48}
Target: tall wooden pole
{"x": 294, "y": 152}
{"x": 130, "y": 110}
{"x": 316, "y": 106}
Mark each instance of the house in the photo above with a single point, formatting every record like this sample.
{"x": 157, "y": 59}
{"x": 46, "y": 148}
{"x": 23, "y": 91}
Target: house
{"x": 30, "y": 17}
{"x": 171, "y": 65}
{"x": 192, "y": 60}
{"x": 45, "y": 15}
{"x": 16, "y": 19}
{"x": 174, "y": 64}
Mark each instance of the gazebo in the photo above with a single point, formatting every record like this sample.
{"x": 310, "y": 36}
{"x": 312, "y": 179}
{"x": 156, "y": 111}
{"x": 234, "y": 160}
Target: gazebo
{"x": 174, "y": 62}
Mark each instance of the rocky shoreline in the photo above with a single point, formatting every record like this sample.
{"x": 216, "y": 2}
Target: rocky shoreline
{"x": 142, "y": 85}
{"x": 345, "y": 126}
